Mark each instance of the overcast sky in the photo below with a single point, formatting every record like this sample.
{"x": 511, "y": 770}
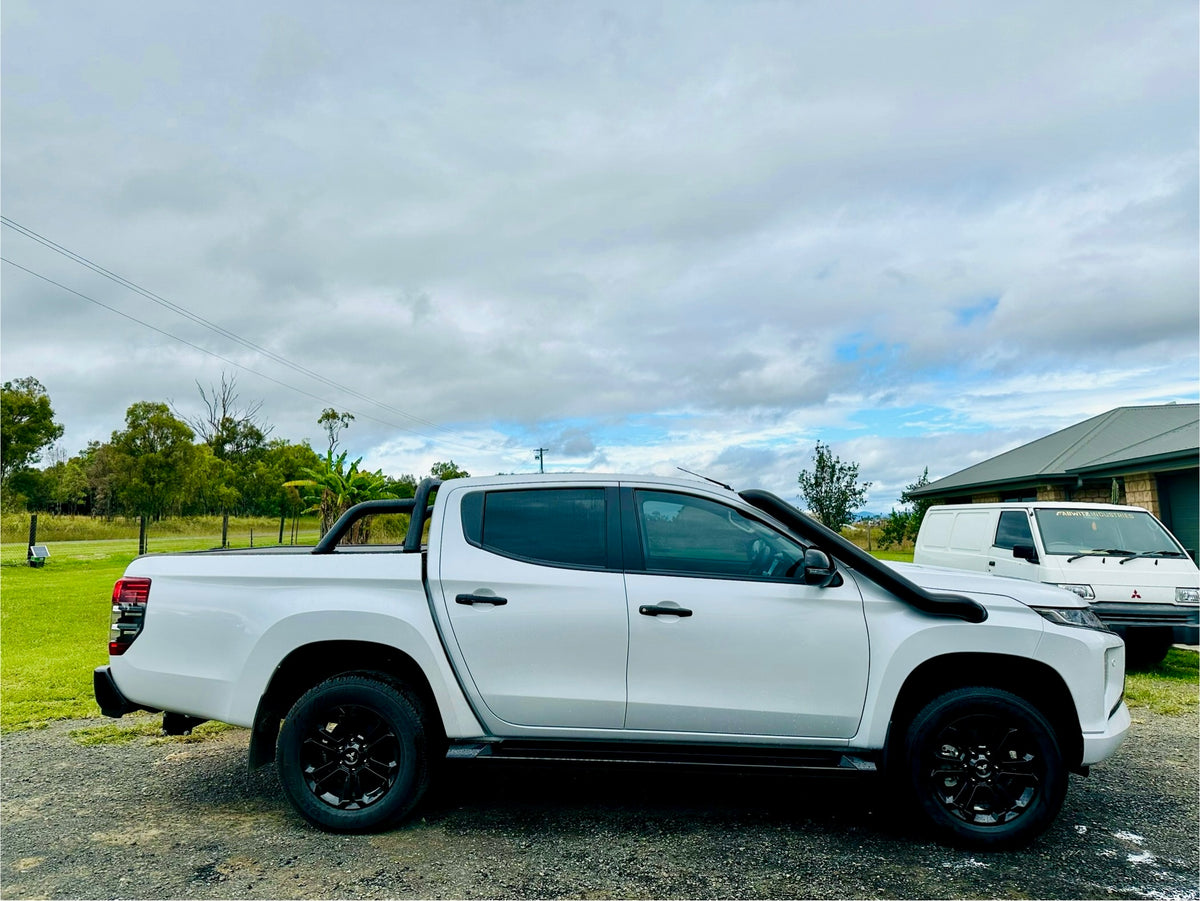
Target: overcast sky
{"x": 640, "y": 235}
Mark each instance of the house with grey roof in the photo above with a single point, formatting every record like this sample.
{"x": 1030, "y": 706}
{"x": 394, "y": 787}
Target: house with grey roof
{"x": 1145, "y": 456}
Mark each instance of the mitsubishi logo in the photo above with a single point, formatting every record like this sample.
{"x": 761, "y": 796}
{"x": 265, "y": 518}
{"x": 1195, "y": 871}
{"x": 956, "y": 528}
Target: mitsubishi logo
{"x": 1135, "y": 595}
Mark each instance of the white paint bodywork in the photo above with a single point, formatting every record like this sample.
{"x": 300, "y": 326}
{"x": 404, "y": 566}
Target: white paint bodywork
{"x": 217, "y": 625}
{"x": 569, "y": 656}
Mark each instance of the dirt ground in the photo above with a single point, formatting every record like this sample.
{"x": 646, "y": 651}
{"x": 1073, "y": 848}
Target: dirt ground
{"x": 155, "y": 819}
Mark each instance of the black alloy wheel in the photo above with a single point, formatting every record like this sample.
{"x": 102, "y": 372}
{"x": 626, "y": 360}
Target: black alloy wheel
{"x": 984, "y": 770}
{"x": 985, "y": 767}
{"x": 351, "y": 760}
{"x": 352, "y": 754}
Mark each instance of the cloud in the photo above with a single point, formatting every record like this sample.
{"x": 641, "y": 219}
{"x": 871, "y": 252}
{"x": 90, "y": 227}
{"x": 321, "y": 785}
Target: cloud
{"x": 641, "y": 236}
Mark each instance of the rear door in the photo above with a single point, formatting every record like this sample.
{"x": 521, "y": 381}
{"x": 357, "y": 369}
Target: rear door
{"x": 753, "y": 650}
{"x": 532, "y": 587}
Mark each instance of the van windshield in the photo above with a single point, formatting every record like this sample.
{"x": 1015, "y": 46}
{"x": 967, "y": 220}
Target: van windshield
{"x": 1085, "y": 533}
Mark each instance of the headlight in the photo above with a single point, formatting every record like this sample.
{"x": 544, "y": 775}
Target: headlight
{"x": 1187, "y": 595}
{"x": 1084, "y": 591}
{"x": 1072, "y": 616}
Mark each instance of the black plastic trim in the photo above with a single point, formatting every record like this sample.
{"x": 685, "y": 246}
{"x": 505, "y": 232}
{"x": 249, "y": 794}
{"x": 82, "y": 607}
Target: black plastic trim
{"x": 417, "y": 507}
{"x": 108, "y": 696}
{"x": 422, "y": 514}
{"x": 933, "y": 603}
{"x": 740, "y": 756}
{"x": 329, "y": 542}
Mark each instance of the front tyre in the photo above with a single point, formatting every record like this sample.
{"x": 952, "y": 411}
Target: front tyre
{"x": 352, "y": 754}
{"x": 985, "y": 768}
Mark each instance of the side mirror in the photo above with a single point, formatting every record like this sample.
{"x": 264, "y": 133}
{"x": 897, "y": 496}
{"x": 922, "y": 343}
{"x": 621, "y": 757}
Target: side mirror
{"x": 1026, "y": 552}
{"x": 818, "y": 568}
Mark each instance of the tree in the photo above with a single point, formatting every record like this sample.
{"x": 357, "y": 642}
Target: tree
{"x": 232, "y": 431}
{"x": 832, "y": 490}
{"x": 903, "y": 525}
{"x": 261, "y": 481}
{"x": 403, "y": 486}
{"x": 448, "y": 470}
{"x": 102, "y": 465}
{"x": 71, "y": 488}
{"x": 27, "y": 424}
{"x": 334, "y": 424}
{"x": 158, "y": 463}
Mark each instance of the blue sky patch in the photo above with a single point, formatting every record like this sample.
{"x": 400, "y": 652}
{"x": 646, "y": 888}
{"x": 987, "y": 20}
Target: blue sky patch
{"x": 981, "y": 309}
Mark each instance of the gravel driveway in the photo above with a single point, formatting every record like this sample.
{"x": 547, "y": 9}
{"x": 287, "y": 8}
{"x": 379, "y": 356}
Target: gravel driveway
{"x": 164, "y": 819}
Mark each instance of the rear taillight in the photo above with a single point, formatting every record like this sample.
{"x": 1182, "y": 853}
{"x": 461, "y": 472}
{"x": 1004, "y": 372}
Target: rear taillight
{"x": 129, "y": 600}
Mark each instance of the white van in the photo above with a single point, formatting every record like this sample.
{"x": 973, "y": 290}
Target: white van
{"x": 1136, "y": 575}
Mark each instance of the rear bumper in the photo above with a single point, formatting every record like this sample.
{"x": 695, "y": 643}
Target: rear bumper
{"x": 108, "y": 696}
{"x": 1098, "y": 746}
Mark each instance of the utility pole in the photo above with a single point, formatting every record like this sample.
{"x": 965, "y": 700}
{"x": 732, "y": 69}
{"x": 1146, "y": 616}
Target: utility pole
{"x": 540, "y": 454}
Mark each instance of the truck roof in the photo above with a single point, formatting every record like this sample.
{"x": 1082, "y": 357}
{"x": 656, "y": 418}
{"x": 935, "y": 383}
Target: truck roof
{"x": 592, "y": 478}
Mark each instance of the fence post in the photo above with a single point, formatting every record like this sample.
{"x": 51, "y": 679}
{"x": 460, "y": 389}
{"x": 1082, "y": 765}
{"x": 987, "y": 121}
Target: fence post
{"x": 225, "y": 530}
{"x": 142, "y": 535}
{"x": 251, "y": 538}
{"x": 282, "y": 517}
{"x": 32, "y": 537}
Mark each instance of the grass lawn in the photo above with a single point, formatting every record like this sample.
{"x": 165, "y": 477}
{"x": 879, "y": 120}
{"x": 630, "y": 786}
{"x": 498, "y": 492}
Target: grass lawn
{"x": 893, "y": 556}
{"x": 1170, "y": 687}
{"x": 54, "y": 629}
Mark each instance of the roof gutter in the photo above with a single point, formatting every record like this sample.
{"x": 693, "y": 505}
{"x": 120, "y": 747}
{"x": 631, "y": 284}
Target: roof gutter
{"x": 933, "y": 603}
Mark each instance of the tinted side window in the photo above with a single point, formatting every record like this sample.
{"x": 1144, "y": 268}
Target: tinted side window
{"x": 553, "y": 525}
{"x": 1013, "y": 529}
{"x": 692, "y": 535}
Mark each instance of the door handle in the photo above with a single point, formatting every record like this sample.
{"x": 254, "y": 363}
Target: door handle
{"x": 663, "y": 610}
{"x": 470, "y": 599}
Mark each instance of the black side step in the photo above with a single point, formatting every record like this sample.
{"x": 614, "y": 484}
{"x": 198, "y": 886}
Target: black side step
{"x": 778, "y": 758}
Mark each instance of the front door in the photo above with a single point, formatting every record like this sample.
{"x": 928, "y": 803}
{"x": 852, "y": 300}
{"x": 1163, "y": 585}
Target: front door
{"x": 754, "y": 650}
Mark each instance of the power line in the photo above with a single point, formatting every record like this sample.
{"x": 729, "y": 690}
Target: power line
{"x": 211, "y": 326}
{"x": 223, "y": 359}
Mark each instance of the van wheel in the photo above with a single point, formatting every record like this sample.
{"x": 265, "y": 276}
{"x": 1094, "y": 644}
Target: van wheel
{"x": 1146, "y": 648}
{"x": 352, "y": 754}
{"x": 984, "y": 767}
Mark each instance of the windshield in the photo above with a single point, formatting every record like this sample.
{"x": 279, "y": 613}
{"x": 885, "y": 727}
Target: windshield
{"x": 1107, "y": 532}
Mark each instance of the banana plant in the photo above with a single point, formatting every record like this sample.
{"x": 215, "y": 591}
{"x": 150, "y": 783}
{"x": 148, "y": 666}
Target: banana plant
{"x": 332, "y": 488}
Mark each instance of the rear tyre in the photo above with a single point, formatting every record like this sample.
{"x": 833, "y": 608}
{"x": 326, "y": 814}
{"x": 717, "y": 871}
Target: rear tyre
{"x": 984, "y": 767}
{"x": 352, "y": 754}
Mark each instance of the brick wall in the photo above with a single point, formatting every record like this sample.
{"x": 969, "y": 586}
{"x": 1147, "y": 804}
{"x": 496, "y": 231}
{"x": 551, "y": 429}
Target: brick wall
{"x": 985, "y": 498}
{"x": 1099, "y": 493}
{"x": 1141, "y": 490}
{"x": 1051, "y": 493}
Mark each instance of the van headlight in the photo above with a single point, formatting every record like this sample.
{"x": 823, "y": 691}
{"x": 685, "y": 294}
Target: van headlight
{"x": 1187, "y": 595}
{"x": 1084, "y": 591}
{"x": 1073, "y": 616}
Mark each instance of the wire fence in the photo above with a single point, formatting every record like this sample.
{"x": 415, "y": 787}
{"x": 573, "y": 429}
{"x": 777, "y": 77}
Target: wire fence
{"x": 71, "y": 537}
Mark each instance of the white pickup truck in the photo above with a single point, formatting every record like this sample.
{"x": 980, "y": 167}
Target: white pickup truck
{"x": 621, "y": 618}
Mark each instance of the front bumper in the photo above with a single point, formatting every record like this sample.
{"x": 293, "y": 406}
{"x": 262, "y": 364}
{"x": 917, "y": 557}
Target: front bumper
{"x": 108, "y": 696}
{"x": 1184, "y": 622}
{"x": 1098, "y": 746}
